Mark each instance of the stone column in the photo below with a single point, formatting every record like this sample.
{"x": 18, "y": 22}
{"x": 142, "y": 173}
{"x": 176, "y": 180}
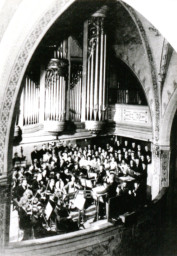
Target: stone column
{"x": 161, "y": 163}
{"x": 4, "y": 214}
{"x": 165, "y": 166}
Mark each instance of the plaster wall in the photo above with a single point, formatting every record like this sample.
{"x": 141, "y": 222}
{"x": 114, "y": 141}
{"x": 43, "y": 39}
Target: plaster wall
{"x": 155, "y": 40}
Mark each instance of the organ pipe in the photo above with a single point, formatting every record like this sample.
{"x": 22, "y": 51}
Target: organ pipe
{"x": 91, "y": 86}
{"x": 75, "y": 91}
{"x": 96, "y": 73}
{"x": 30, "y": 103}
{"x": 104, "y": 76}
{"x": 88, "y": 90}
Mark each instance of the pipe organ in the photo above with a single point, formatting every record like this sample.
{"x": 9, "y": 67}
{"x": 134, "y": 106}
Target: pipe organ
{"x": 62, "y": 94}
{"x": 95, "y": 69}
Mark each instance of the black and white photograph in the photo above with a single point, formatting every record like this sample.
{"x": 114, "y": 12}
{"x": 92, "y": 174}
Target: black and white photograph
{"x": 88, "y": 128}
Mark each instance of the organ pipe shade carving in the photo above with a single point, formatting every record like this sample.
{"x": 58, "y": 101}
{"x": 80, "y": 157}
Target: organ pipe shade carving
{"x": 76, "y": 74}
{"x": 57, "y": 67}
{"x": 96, "y": 70}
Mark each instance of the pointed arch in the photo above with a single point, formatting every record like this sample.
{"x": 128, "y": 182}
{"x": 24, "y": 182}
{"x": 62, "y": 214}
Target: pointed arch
{"x": 155, "y": 104}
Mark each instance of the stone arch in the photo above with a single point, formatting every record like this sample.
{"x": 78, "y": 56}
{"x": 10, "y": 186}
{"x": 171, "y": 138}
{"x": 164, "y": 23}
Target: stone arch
{"x": 167, "y": 121}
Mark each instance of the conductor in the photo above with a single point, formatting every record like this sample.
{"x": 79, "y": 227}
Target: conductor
{"x": 110, "y": 190}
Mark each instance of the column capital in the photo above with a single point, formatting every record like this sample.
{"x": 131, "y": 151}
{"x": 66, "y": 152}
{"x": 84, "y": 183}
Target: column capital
{"x": 161, "y": 162}
{"x": 157, "y": 149}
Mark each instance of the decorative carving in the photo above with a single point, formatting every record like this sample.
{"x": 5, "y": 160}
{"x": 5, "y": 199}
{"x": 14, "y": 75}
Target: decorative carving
{"x": 99, "y": 249}
{"x": 56, "y": 67}
{"x": 135, "y": 116}
{"x": 93, "y": 33}
{"x": 4, "y": 201}
{"x": 2, "y": 224}
{"x": 165, "y": 158}
{"x": 76, "y": 74}
{"x": 165, "y": 60}
{"x": 132, "y": 114}
{"x": 153, "y": 29}
{"x": 156, "y": 151}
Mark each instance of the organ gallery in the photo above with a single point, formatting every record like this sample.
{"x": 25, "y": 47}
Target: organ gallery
{"x": 89, "y": 146}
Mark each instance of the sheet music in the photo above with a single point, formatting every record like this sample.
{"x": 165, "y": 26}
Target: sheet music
{"x": 48, "y": 210}
{"x": 86, "y": 183}
{"x": 79, "y": 201}
{"x": 126, "y": 178}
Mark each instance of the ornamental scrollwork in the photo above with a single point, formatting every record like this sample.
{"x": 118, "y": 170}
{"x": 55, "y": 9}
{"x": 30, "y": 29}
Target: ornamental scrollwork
{"x": 95, "y": 29}
{"x": 76, "y": 74}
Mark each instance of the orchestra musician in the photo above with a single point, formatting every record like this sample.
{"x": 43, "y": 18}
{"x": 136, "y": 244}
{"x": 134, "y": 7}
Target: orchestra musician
{"x": 72, "y": 186}
{"x": 24, "y": 218}
{"x": 59, "y": 185}
{"x": 20, "y": 189}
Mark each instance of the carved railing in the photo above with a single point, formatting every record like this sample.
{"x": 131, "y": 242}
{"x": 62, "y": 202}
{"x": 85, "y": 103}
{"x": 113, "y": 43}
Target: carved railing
{"x": 130, "y": 114}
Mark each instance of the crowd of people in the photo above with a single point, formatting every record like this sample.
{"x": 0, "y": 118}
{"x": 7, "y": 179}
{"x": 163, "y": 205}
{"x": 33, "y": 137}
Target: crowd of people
{"x": 45, "y": 192}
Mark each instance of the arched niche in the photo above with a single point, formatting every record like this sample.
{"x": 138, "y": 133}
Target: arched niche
{"x": 15, "y": 64}
{"x": 125, "y": 77}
